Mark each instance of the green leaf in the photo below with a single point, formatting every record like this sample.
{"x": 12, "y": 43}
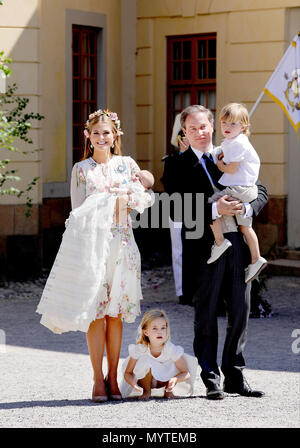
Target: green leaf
{"x": 15, "y": 123}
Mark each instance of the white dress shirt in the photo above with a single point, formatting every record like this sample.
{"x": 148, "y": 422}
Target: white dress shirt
{"x": 215, "y": 214}
{"x": 239, "y": 149}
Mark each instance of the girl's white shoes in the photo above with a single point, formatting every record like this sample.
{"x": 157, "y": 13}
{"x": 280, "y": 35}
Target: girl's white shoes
{"x": 217, "y": 251}
{"x": 252, "y": 271}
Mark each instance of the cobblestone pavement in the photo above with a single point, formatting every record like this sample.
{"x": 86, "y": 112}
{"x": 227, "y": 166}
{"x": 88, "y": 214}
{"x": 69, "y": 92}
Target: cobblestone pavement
{"x": 46, "y": 379}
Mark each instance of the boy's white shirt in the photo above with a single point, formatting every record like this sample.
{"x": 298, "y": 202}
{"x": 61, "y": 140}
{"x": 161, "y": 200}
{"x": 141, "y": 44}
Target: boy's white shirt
{"x": 239, "y": 149}
{"x": 215, "y": 151}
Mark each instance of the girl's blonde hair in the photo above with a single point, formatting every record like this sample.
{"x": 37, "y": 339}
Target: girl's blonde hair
{"x": 149, "y": 317}
{"x": 88, "y": 150}
{"x": 236, "y": 112}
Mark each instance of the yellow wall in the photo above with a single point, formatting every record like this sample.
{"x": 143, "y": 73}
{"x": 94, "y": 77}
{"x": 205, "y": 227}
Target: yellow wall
{"x": 251, "y": 38}
{"x": 19, "y": 36}
{"x": 53, "y": 59}
{"x": 250, "y": 42}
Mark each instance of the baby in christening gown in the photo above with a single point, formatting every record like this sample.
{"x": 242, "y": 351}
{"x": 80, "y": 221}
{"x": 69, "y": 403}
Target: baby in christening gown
{"x": 144, "y": 177}
{"x": 97, "y": 270}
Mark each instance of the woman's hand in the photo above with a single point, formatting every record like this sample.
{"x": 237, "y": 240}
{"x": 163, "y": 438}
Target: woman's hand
{"x": 122, "y": 209}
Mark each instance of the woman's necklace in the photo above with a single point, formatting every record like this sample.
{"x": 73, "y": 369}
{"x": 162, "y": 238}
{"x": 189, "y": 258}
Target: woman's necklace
{"x": 104, "y": 164}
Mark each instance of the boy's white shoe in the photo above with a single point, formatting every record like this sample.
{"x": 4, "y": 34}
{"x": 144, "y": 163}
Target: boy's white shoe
{"x": 252, "y": 271}
{"x": 217, "y": 251}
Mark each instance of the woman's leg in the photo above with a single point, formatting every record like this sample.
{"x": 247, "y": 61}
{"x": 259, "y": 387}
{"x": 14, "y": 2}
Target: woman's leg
{"x": 96, "y": 343}
{"x": 114, "y": 331}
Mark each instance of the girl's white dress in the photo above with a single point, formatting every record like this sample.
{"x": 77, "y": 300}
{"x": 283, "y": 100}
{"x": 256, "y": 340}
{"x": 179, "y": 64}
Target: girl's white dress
{"x": 97, "y": 270}
{"x": 163, "y": 367}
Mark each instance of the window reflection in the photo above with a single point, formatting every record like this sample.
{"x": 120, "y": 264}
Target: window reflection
{"x": 201, "y": 69}
{"x": 211, "y": 103}
{"x": 186, "y": 99}
{"x": 201, "y": 49}
{"x": 177, "y": 50}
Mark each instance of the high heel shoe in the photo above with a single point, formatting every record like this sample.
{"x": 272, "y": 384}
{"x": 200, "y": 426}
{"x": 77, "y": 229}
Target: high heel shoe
{"x": 114, "y": 397}
{"x": 98, "y": 398}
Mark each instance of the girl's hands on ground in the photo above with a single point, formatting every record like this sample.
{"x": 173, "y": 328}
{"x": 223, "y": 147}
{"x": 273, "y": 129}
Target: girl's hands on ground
{"x": 171, "y": 384}
{"x": 137, "y": 388}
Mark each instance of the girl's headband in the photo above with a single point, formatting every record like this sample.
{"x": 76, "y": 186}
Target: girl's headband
{"x": 112, "y": 115}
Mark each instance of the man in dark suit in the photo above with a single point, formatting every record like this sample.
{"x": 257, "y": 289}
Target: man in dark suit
{"x": 206, "y": 283}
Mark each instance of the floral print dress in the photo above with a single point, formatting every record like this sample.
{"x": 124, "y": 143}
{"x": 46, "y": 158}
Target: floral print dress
{"x": 120, "y": 291}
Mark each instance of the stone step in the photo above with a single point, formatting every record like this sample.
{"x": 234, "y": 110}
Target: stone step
{"x": 291, "y": 254}
{"x": 284, "y": 266}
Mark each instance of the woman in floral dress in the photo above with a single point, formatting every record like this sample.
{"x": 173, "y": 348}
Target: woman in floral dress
{"x": 95, "y": 282}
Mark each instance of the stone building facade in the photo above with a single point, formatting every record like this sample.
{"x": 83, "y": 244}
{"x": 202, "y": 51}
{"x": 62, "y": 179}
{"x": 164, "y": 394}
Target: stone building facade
{"x": 145, "y": 60}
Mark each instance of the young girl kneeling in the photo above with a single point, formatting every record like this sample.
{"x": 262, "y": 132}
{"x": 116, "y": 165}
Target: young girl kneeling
{"x": 154, "y": 362}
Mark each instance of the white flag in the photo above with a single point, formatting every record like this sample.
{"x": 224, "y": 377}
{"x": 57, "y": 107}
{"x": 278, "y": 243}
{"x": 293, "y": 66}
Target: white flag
{"x": 284, "y": 85}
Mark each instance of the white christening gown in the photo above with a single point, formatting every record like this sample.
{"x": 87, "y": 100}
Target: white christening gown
{"x": 97, "y": 270}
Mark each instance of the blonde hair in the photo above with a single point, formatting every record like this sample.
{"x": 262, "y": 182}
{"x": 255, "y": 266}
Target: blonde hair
{"x": 149, "y": 317}
{"x": 236, "y": 112}
{"x": 88, "y": 151}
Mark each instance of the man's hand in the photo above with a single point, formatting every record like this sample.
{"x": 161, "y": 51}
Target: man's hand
{"x": 226, "y": 205}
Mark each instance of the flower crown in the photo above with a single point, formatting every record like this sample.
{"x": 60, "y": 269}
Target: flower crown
{"x": 112, "y": 115}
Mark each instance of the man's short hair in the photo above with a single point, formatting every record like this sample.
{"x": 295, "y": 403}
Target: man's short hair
{"x": 193, "y": 110}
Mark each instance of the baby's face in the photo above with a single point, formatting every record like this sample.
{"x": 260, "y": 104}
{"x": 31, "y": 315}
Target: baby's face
{"x": 231, "y": 129}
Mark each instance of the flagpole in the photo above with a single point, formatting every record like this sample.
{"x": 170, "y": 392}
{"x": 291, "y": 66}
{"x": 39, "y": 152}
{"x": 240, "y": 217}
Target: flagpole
{"x": 257, "y": 103}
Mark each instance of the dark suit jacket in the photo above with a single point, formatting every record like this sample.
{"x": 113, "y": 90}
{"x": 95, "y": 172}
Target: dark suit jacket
{"x": 184, "y": 174}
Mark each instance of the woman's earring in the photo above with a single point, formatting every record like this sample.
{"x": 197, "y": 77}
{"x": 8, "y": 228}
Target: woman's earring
{"x": 91, "y": 146}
